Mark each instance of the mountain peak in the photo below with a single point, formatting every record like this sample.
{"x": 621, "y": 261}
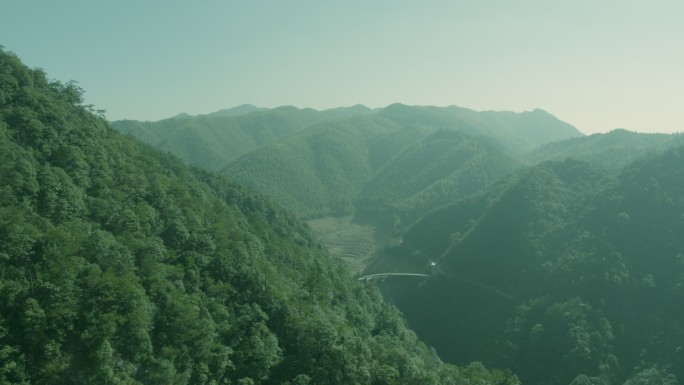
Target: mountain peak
{"x": 242, "y": 109}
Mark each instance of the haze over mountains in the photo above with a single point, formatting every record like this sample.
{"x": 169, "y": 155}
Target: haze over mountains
{"x": 319, "y": 162}
{"x": 546, "y": 248}
{"x": 214, "y": 140}
{"x": 389, "y": 165}
{"x": 611, "y": 151}
{"x": 555, "y": 257}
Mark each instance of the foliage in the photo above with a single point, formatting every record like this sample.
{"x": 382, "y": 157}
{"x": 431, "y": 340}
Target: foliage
{"x": 518, "y": 132}
{"x": 337, "y": 161}
{"x": 323, "y": 170}
{"x": 610, "y": 151}
{"x": 120, "y": 265}
{"x": 565, "y": 273}
{"x": 437, "y": 170}
{"x": 212, "y": 141}
{"x": 391, "y": 166}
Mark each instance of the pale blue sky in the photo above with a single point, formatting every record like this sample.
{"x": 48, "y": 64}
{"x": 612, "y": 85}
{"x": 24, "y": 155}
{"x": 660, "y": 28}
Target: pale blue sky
{"x": 596, "y": 64}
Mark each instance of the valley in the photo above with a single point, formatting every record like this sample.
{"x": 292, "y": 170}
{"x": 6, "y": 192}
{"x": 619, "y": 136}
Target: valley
{"x": 405, "y": 244}
{"x": 121, "y": 264}
{"x": 515, "y": 243}
{"x": 341, "y": 193}
{"x": 353, "y": 243}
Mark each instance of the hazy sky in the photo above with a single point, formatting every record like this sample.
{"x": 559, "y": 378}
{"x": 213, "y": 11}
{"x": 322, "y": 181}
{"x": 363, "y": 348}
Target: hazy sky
{"x": 598, "y": 64}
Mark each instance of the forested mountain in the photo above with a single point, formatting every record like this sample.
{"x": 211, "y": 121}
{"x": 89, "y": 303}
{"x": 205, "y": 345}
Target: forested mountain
{"x": 398, "y": 161}
{"x": 611, "y": 151}
{"x": 323, "y": 170}
{"x": 121, "y": 265}
{"x": 519, "y": 132}
{"x": 437, "y": 170}
{"x": 563, "y": 272}
{"x": 235, "y": 111}
{"x": 214, "y": 140}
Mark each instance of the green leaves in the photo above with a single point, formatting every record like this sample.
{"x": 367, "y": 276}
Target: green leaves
{"x": 589, "y": 261}
{"x": 120, "y": 265}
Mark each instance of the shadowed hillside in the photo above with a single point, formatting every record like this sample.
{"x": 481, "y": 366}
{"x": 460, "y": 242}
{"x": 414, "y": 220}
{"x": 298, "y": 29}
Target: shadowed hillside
{"x": 395, "y": 163}
{"x": 568, "y": 272}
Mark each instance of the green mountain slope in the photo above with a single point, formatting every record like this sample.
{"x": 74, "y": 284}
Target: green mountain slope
{"x": 318, "y": 162}
{"x": 325, "y": 169}
{"x": 437, "y": 170}
{"x": 519, "y": 132}
{"x": 214, "y": 140}
{"x": 568, "y": 274}
{"x": 120, "y": 265}
{"x": 611, "y": 151}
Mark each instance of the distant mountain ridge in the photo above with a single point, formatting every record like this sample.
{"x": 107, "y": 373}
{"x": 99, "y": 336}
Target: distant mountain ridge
{"x": 238, "y": 110}
{"x": 610, "y": 151}
{"x": 304, "y": 172}
{"x": 352, "y": 159}
{"x": 519, "y": 132}
{"x": 242, "y": 109}
{"x": 212, "y": 141}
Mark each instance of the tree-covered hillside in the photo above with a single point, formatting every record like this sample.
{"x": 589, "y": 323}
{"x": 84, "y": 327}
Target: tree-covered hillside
{"x": 318, "y": 163}
{"x": 519, "y": 132}
{"x": 563, "y": 272}
{"x": 610, "y": 151}
{"x": 214, "y": 140}
{"x": 394, "y": 163}
{"x": 120, "y": 265}
{"x": 435, "y": 171}
{"x": 323, "y": 170}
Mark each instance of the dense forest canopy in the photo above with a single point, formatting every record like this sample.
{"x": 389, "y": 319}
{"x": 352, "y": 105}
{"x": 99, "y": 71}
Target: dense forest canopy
{"x": 554, "y": 255}
{"x": 571, "y": 274}
{"x": 214, "y": 140}
{"x": 387, "y": 165}
{"x": 610, "y": 151}
{"x": 122, "y": 265}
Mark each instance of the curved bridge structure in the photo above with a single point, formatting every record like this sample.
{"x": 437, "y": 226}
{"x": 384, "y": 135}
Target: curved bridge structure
{"x": 372, "y": 277}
